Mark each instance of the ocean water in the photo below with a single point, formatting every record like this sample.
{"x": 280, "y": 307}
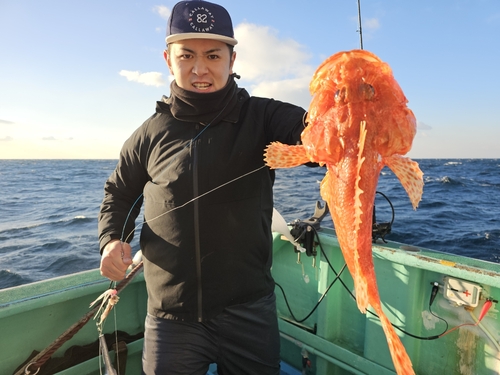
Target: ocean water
{"x": 48, "y": 211}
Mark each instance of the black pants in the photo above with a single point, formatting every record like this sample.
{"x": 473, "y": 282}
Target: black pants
{"x": 243, "y": 339}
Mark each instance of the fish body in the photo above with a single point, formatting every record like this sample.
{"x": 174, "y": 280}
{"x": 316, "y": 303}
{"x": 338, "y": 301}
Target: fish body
{"x": 358, "y": 122}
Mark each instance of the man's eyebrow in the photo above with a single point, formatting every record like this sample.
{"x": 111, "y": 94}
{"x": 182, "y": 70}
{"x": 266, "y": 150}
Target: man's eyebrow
{"x": 212, "y": 51}
{"x": 184, "y": 49}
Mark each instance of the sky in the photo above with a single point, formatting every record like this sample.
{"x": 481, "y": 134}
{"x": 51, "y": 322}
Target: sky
{"x": 78, "y": 77}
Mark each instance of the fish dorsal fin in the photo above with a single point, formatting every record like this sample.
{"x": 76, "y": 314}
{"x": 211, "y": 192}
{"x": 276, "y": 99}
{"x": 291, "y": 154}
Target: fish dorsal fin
{"x": 409, "y": 174}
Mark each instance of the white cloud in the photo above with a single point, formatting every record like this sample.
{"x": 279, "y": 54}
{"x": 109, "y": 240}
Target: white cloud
{"x": 149, "y": 79}
{"x": 263, "y": 55}
{"x": 423, "y": 126}
{"x": 371, "y": 24}
{"x": 52, "y": 138}
{"x": 162, "y": 10}
{"x": 6, "y": 139}
{"x": 270, "y": 66}
{"x": 6, "y": 122}
{"x": 295, "y": 90}
{"x": 273, "y": 66}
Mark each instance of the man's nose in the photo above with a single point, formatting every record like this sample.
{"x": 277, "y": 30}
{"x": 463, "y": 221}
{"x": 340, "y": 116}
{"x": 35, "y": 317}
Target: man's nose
{"x": 199, "y": 67}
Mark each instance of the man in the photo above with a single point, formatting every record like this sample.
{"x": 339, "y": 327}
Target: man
{"x": 197, "y": 164}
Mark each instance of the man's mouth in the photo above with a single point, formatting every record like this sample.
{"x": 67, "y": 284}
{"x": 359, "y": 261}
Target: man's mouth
{"x": 201, "y": 86}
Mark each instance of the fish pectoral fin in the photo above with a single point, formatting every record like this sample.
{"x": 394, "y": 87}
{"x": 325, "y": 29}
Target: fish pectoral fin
{"x": 279, "y": 155}
{"x": 409, "y": 174}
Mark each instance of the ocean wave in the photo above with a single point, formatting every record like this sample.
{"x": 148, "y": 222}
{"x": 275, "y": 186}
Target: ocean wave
{"x": 48, "y": 228}
{"x": 443, "y": 180}
{"x": 10, "y": 279}
{"x": 52, "y": 222}
{"x": 446, "y": 180}
{"x": 78, "y": 222}
{"x": 484, "y": 183}
{"x": 480, "y": 245}
{"x": 19, "y": 230}
{"x": 73, "y": 263}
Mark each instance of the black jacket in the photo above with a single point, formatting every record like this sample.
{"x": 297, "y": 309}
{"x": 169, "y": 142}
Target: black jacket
{"x": 206, "y": 238}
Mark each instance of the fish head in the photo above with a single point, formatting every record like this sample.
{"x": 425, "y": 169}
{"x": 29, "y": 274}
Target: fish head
{"x": 351, "y": 87}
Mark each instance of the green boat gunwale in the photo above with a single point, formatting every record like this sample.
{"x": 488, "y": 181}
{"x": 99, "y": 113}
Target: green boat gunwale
{"x": 357, "y": 351}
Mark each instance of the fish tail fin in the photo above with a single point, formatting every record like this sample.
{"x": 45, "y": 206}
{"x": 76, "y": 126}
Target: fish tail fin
{"x": 279, "y": 155}
{"x": 400, "y": 358}
{"x": 410, "y": 176}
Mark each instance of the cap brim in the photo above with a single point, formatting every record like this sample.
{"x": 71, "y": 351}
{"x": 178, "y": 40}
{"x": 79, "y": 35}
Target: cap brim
{"x": 221, "y": 38}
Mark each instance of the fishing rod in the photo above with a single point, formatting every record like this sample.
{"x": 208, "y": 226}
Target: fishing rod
{"x": 360, "y": 30}
{"x": 34, "y": 364}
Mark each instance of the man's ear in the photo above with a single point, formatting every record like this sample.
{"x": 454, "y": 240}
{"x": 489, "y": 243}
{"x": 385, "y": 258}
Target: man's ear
{"x": 166, "y": 56}
{"x": 233, "y": 57}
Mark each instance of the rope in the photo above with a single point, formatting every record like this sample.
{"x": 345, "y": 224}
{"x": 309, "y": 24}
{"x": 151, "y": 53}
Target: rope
{"x": 41, "y": 358}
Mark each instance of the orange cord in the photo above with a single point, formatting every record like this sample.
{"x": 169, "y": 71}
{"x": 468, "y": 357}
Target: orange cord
{"x": 487, "y": 305}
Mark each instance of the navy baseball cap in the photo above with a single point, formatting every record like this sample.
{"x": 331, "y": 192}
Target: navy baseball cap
{"x": 199, "y": 20}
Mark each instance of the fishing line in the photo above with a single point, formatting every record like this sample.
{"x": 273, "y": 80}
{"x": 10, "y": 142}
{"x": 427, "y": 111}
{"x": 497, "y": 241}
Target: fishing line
{"x": 103, "y": 348}
{"x": 116, "y": 342}
{"x": 188, "y": 144}
{"x": 195, "y": 198}
{"x": 166, "y": 168}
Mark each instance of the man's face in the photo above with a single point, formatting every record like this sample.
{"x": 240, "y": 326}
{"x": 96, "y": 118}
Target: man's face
{"x": 200, "y": 65}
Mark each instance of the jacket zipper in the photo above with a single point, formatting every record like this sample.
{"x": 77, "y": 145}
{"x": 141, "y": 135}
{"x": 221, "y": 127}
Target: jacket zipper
{"x": 197, "y": 230}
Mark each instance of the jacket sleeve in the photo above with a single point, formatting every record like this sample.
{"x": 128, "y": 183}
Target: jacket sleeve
{"x": 123, "y": 192}
{"x": 284, "y": 122}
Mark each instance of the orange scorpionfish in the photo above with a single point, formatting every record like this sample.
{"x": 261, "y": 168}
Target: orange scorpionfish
{"x": 358, "y": 123}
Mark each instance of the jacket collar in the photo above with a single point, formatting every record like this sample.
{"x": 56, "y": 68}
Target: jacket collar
{"x": 211, "y": 108}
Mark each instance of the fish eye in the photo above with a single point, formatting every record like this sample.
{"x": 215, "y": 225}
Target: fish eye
{"x": 339, "y": 94}
{"x": 368, "y": 91}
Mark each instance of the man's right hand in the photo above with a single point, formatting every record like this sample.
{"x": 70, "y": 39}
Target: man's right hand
{"x": 115, "y": 259}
